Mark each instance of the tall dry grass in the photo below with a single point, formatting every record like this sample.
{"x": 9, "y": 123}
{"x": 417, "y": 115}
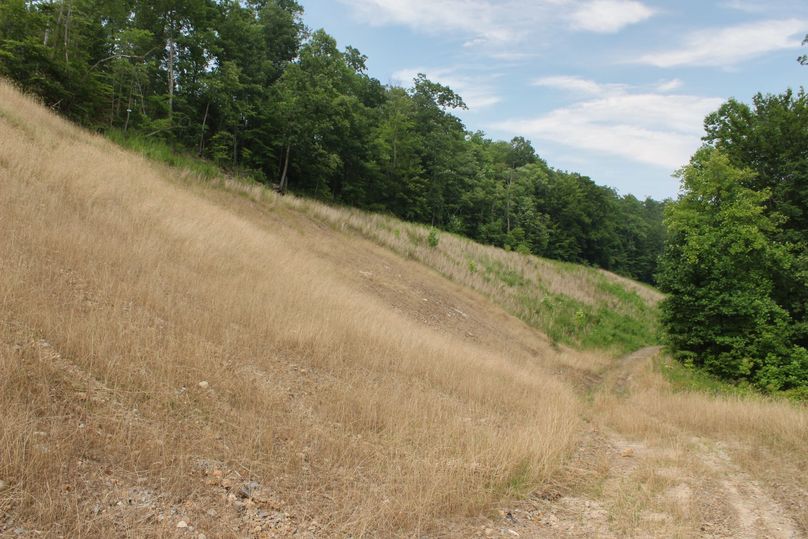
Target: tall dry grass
{"x": 750, "y": 420}
{"x": 741, "y": 439}
{"x": 572, "y": 304}
{"x": 121, "y": 289}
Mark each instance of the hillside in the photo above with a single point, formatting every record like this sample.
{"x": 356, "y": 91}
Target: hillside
{"x": 180, "y": 357}
{"x": 286, "y": 104}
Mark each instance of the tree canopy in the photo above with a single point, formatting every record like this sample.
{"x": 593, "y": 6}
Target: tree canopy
{"x": 736, "y": 261}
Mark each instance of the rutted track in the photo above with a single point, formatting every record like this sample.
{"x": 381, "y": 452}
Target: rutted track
{"x": 681, "y": 484}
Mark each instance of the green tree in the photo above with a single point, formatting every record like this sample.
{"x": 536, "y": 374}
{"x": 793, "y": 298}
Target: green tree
{"x": 401, "y": 185}
{"x": 717, "y": 269}
{"x": 770, "y": 137}
{"x": 443, "y": 135}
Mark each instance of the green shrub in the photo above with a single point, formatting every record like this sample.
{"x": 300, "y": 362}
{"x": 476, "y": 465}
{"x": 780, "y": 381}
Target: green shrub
{"x": 433, "y": 238}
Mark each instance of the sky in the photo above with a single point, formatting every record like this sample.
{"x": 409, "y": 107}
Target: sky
{"x": 616, "y": 90}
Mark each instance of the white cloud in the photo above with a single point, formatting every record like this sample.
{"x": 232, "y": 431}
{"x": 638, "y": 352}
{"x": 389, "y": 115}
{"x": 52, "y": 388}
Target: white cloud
{"x": 669, "y": 85}
{"x": 662, "y": 130}
{"x": 608, "y": 16}
{"x": 477, "y": 17}
{"x": 477, "y": 92}
{"x": 578, "y": 85}
{"x": 500, "y": 23}
{"x": 581, "y": 86}
{"x": 747, "y": 6}
{"x": 730, "y": 46}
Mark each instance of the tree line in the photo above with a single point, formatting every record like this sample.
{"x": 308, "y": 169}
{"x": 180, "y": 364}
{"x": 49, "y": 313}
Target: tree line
{"x": 248, "y": 86}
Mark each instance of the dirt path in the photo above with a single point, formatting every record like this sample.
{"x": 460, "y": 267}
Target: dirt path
{"x": 619, "y": 484}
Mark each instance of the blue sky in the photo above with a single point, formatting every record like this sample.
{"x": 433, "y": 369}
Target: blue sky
{"x": 614, "y": 89}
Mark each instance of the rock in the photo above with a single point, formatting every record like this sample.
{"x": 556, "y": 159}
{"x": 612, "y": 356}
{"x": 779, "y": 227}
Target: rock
{"x": 182, "y": 524}
{"x": 248, "y": 489}
{"x": 204, "y": 384}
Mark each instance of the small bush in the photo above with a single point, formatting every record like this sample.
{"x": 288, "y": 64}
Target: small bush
{"x": 433, "y": 238}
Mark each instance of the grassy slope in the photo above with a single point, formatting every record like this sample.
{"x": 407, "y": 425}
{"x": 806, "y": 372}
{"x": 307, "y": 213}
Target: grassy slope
{"x": 123, "y": 285}
{"x": 365, "y": 392}
{"x": 571, "y": 304}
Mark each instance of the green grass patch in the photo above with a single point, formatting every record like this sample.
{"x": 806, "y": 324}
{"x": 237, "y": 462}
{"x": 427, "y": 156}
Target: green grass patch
{"x": 519, "y": 481}
{"x": 499, "y": 271}
{"x": 160, "y": 151}
{"x": 626, "y": 297}
{"x": 574, "y": 323}
{"x": 684, "y": 377}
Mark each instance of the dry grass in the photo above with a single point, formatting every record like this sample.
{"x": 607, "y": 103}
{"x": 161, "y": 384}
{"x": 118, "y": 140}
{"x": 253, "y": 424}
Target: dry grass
{"x": 776, "y": 424}
{"x": 121, "y": 289}
{"x": 736, "y": 457}
{"x": 453, "y": 253}
{"x": 572, "y": 304}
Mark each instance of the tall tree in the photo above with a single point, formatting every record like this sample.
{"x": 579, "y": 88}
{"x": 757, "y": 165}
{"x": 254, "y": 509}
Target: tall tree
{"x": 718, "y": 270}
{"x": 770, "y": 137}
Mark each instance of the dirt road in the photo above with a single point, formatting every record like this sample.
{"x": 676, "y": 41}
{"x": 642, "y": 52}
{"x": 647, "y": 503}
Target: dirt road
{"x": 628, "y": 480}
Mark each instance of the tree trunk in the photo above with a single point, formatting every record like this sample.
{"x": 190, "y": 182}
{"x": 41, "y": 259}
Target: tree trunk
{"x": 284, "y": 179}
{"x": 112, "y": 106}
{"x": 170, "y": 43}
{"x": 67, "y": 31}
{"x": 128, "y": 111}
{"x": 170, "y": 78}
{"x": 58, "y": 24}
{"x": 235, "y": 146}
{"x": 142, "y": 99}
{"x": 202, "y": 136}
